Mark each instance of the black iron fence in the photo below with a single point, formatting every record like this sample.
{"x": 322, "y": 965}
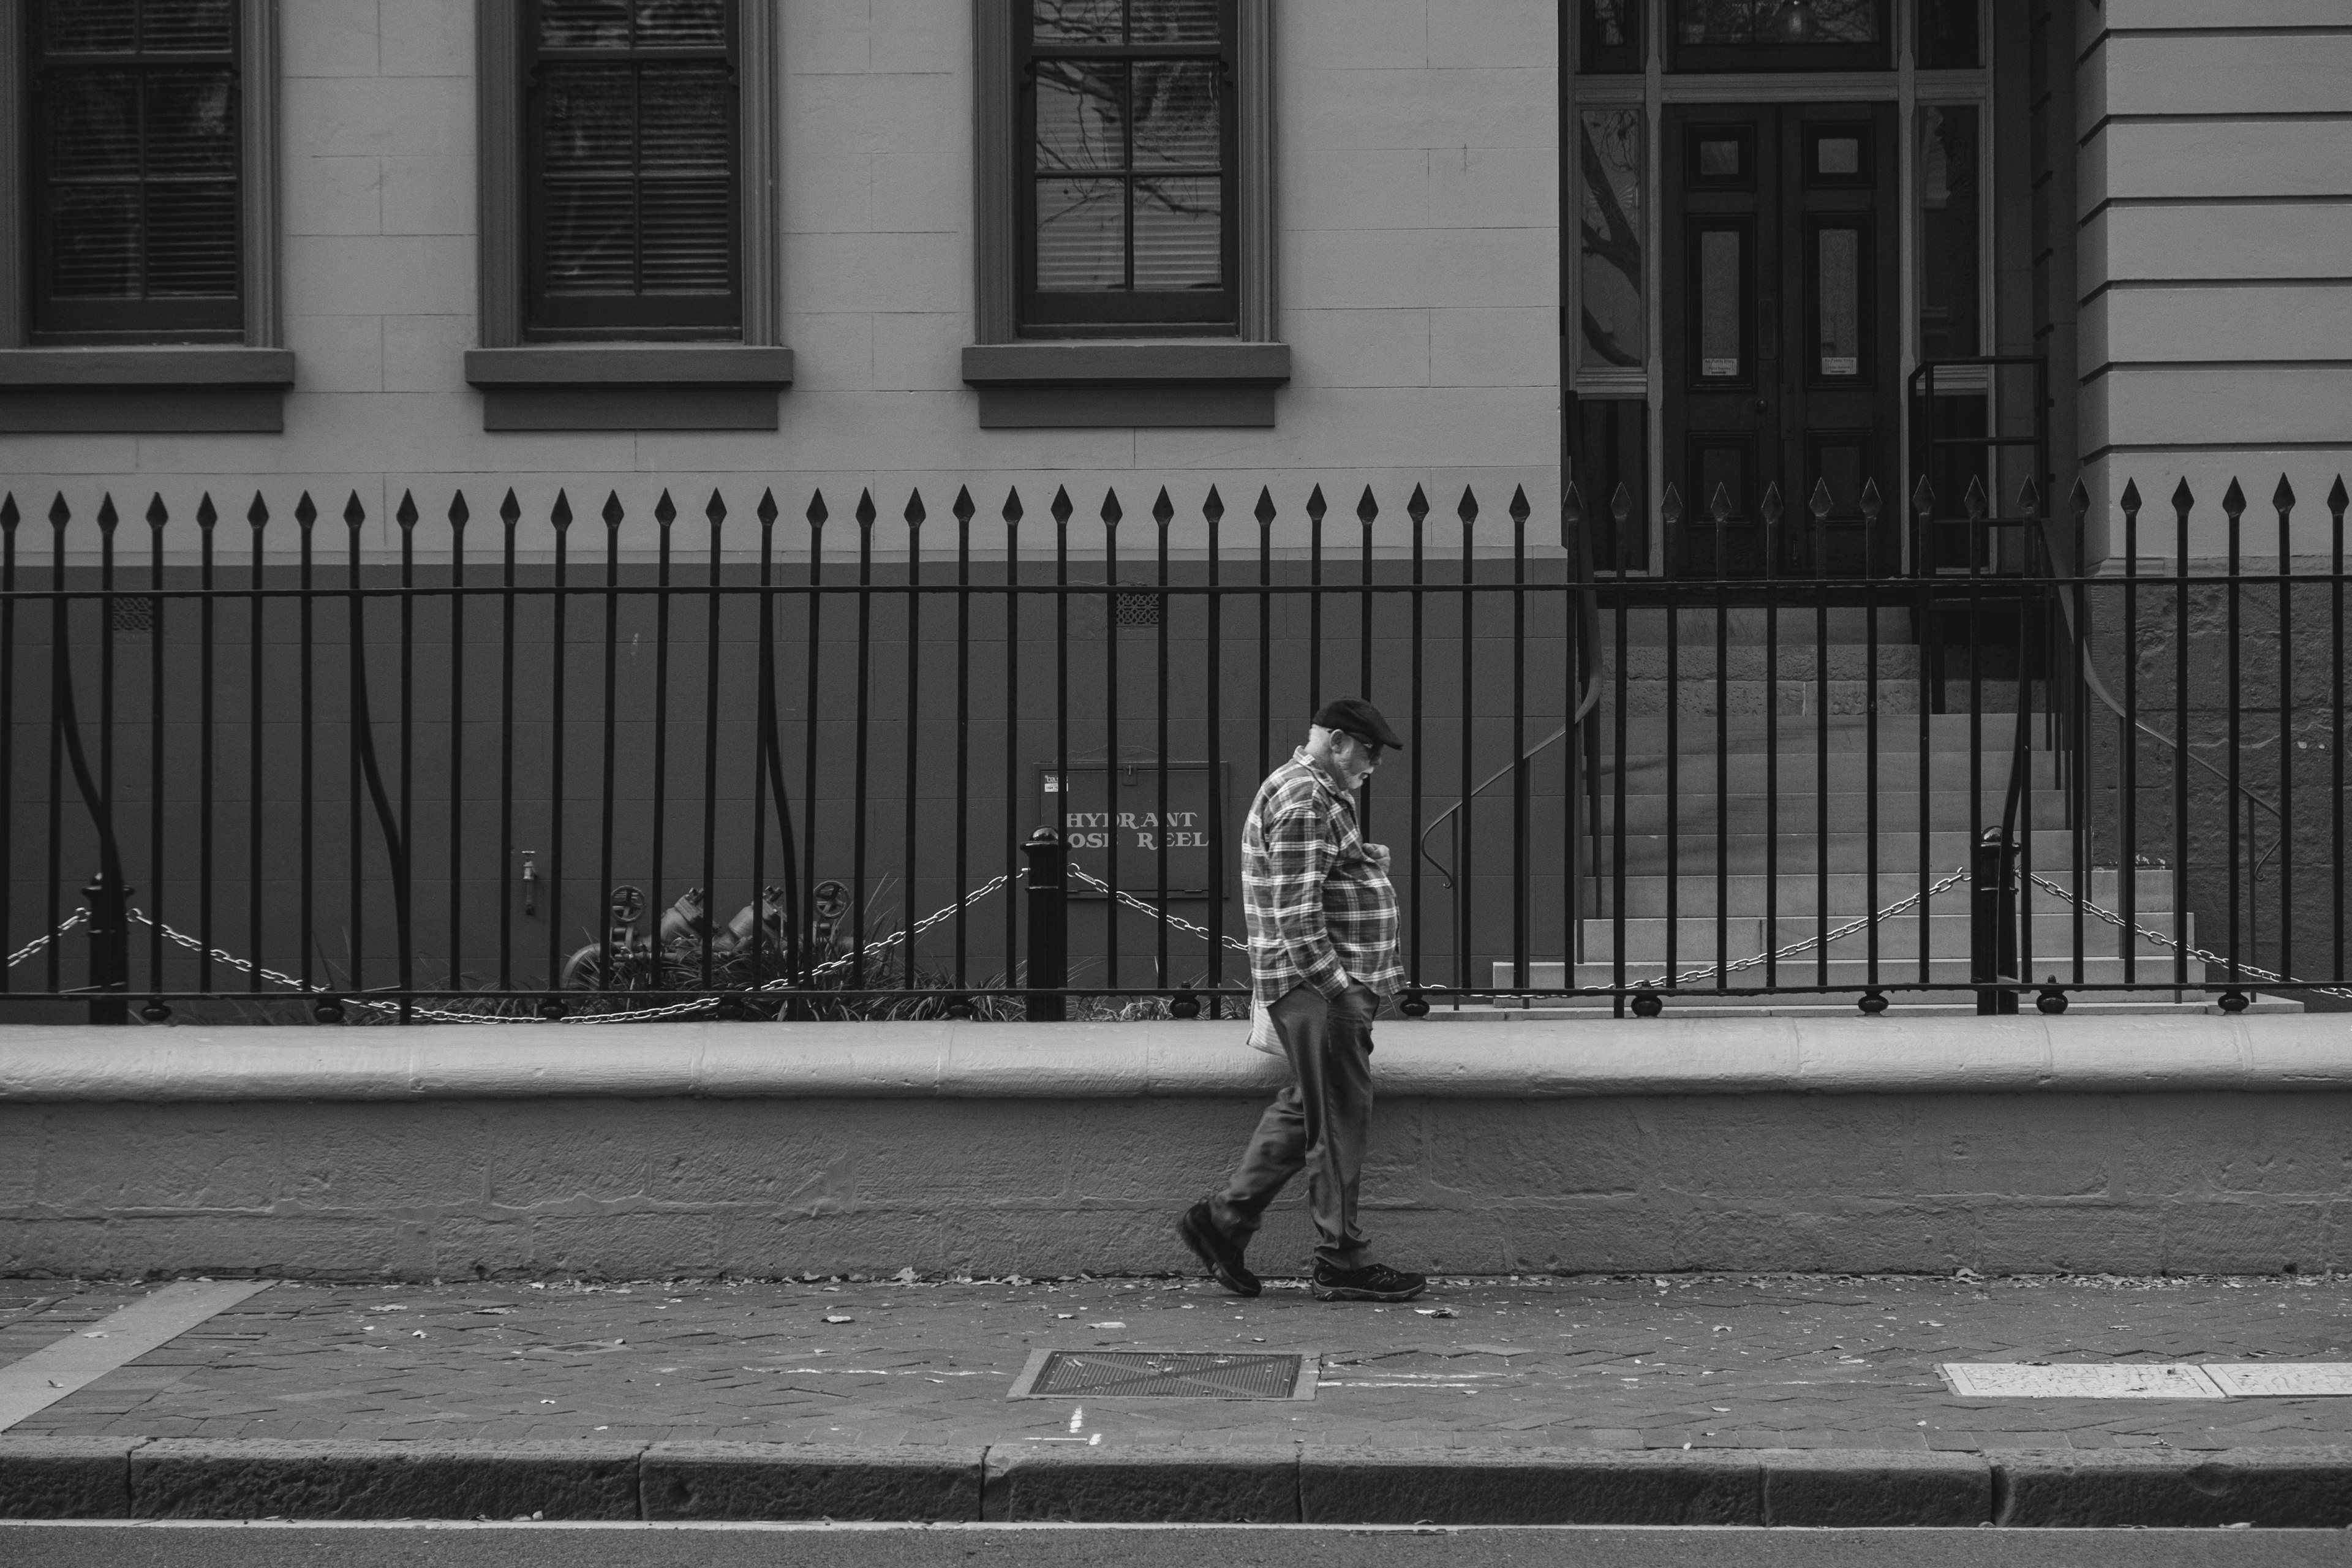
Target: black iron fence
{"x": 995, "y": 764}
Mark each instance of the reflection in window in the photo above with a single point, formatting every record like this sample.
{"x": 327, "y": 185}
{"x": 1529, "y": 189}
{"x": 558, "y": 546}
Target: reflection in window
{"x": 1615, "y": 327}
{"x": 1748, "y": 22}
{"x": 1947, "y": 35}
{"x": 1720, "y": 280}
{"x": 1127, "y": 158}
{"x": 1612, "y": 35}
{"x": 1949, "y": 232}
{"x": 1838, "y": 305}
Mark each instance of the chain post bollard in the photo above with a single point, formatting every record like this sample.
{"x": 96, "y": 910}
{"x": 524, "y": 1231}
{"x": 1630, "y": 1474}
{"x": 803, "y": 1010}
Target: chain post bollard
{"x": 1049, "y": 906}
{"x": 110, "y": 949}
{"x": 1992, "y": 922}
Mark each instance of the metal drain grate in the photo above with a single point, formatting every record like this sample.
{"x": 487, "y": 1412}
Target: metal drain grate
{"x": 1164, "y": 1374}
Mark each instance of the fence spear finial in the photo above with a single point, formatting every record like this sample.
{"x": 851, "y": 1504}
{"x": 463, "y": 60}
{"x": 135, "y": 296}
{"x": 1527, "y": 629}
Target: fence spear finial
{"x": 1923, "y": 497}
{"x": 406, "y": 513}
{"x": 1062, "y": 507}
{"x": 1466, "y": 509}
{"x": 1518, "y": 510}
{"x": 1163, "y": 510}
{"x": 1367, "y": 509}
{"x": 2233, "y": 500}
{"x": 1012, "y": 511}
{"x": 2283, "y": 498}
{"x": 2182, "y": 498}
{"x": 612, "y": 512}
{"x": 158, "y": 514}
{"x": 1264, "y": 509}
{"x": 1213, "y": 507}
{"x": 354, "y": 513}
{"x": 1873, "y": 503}
{"x": 2079, "y": 499}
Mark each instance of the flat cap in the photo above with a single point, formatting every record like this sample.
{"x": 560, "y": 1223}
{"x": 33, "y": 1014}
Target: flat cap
{"x": 1360, "y": 719}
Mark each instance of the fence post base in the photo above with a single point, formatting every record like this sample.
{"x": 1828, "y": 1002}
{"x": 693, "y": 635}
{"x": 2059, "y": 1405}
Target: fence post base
{"x": 1049, "y": 956}
{"x": 110, "y": 949}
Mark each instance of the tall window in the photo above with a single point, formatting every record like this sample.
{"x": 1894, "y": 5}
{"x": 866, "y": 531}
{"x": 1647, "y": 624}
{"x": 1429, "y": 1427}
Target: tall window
{"x": 633, "y": 169}
{"x": 1129, "y": 211}
{"x": 135, "y": 173}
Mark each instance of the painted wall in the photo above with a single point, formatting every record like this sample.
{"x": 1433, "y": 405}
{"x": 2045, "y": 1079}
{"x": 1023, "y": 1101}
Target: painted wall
{"x": 2215, "y": 260}
{"x": 1417, "y": 200}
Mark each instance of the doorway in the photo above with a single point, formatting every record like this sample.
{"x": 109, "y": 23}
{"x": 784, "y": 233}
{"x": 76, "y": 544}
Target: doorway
{"x": 1781, "y": 302}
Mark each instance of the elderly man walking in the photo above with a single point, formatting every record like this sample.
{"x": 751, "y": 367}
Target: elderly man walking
{"x": 1322, "y": 920}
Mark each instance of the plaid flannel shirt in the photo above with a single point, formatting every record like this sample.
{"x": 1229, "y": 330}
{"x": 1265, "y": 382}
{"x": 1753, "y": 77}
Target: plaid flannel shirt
{"x": 1317, "y": 897}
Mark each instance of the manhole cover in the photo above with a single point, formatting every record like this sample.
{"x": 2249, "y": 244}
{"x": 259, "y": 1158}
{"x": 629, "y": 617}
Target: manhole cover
{"x": 1164, "y": 1374}
{"x": 2280, "y": 1379}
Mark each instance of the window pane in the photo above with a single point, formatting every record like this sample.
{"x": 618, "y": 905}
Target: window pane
{"x": 592, "y": 236}
{"x": 1172, "y": 21}
{"x": 94, "y": 244}
{"x": 1076, "y": 21}
{"x": 688, "y": 228}
{"x": 1607, "y": 24}
{"x": 191, "y": 241}
{"x": 1719, "y": 303}
{"x": 1948, "y": 34}
{"x": 169, "y": 25}
{"x": 681, "y": 24}
{"x": 1947, "y": 232}
{"x": 1838, "y": 305}
{"x": 1179, "y": 233}
{"x": 683, "y": 115}
{"x": 1081, "y": 234}
{"x": 76, "y": 26}
{"x": 1610, "y": 162}
{"x": 191, "y": 126}
{"x": 1081, "y": 115}
{"x": 1176, "y": 117}
{"x": 591, "y": 118}
{"x": 584, "y": 24}
{"x": 1778, "y": 21}
{"x": 94, "y": 125}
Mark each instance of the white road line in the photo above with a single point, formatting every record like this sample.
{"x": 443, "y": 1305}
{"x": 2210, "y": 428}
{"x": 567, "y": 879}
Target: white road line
{"x": 82, "y": 1357}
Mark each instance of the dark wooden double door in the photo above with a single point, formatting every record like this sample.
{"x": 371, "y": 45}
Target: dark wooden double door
{"x": 1782, "y": 337}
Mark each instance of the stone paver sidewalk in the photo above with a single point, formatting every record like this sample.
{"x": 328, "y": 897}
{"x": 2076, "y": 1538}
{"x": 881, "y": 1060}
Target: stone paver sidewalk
{"x": 1708, "y": 1361}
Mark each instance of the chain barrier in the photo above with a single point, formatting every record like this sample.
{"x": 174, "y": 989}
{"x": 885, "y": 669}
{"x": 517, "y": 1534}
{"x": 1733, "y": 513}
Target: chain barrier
{"x": 995, "y": 884}
{"x": 455, "y": 1016}
{"x": 39, "y": 942}
{"x": 1132, "y": 902}
{"x": 2198, "y": 953}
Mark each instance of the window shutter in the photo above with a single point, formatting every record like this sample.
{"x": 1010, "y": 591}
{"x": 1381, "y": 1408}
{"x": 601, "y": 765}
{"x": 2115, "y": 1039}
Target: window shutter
{"x": 136, "y": 181}
{"x": 635, "y": 226}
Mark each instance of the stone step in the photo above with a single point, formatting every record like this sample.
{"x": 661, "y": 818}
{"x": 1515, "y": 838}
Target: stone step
{"x": 1894, "y": 768}
{"x": 1698, "y": 697}
{"x": 1755, "y": 733}
{"x": 1741, "y": 854}
{"x": 1747, "y": 661}
{"x": 1703, "y": 811}
{"x": 1949, "y": 933}
{"x": 1842, "y": 1004}
{"x": 1750, "y": 624}
{"x": 1697, "y": 895}
{"x": 1955, "y": 969}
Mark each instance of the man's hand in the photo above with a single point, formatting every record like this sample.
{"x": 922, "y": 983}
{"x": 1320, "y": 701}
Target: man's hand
{"x": 1359, "y": 1001}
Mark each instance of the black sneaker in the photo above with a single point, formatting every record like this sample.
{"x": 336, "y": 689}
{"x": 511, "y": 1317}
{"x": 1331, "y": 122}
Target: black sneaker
{"x": 1372, "y": 1282}
{"x": 1216, "y": 1252}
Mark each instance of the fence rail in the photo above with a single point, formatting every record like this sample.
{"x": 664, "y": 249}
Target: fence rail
{"x": 996, "y": 764}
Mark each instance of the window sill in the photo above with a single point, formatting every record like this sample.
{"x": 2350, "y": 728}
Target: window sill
{"x": 192, "y": 390}
{"x": 630, "y": 386}
{"x": 1162, "y": 383}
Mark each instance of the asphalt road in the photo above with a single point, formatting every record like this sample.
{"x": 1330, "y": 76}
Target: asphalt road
{"x": 450, "y": 1545}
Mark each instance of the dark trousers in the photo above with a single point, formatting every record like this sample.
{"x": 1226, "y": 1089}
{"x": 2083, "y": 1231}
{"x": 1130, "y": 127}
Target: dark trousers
{"x": 1320, "y": 1123}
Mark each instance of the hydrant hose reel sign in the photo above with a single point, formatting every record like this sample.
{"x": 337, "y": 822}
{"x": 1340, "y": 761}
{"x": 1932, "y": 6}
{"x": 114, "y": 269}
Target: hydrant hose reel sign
{"x": 1106, "y": 805}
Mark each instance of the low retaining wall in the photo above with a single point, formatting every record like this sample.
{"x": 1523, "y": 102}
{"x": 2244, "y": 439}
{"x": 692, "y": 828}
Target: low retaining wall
{"x": 2133, "y": 1145}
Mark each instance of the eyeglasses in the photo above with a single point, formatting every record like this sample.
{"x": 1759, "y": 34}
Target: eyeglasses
{"x": 1372, "y": 749}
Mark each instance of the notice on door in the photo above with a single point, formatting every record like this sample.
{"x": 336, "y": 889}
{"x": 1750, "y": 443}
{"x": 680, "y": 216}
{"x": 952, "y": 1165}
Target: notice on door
{"x": 1102, "y": 808}
{"x": 1718, "y": 367}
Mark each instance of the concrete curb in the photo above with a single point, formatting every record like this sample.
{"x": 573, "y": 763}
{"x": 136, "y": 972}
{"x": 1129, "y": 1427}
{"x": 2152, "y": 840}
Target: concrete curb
{"x": 110, "y": 1478}
{"x": 1433, "y": 1060}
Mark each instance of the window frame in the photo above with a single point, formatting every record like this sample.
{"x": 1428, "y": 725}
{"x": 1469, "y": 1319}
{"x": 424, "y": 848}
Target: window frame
{"x": 602, "y": 318}
{"x": 1125, "y": 312}
{"x": 258, "y": 324}
{"x": 503, "y": 151}
{"x": 999, "y": 156}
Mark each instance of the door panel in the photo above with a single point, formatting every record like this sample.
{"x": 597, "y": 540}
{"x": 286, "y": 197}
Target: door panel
{"x": 1781, "y": 342}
